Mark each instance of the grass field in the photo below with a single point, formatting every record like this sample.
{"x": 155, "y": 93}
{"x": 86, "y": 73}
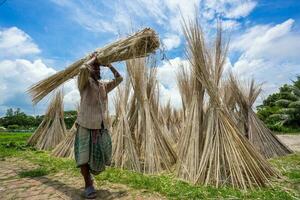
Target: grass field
{"x": 14, "y": 145}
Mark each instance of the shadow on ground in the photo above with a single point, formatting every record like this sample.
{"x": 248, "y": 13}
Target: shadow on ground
{"x": 77, "y": 193}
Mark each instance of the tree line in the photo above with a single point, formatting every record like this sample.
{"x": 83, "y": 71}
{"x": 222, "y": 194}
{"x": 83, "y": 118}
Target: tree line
{"x": 15, "y": 119}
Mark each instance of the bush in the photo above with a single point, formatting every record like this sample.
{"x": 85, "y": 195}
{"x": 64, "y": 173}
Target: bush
{"x": 295, "y": 105}
{"x": 276, "y": 118}
{"x": 2, "y": 128}
{"x": 283, "y": 129}
{"x": 282, "y": 103}
{"x": 288, "y": 111}
{"x": 13, "y": 127}
{"x": 265, "y": 111}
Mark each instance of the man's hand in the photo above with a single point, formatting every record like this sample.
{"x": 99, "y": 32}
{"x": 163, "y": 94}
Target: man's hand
{"x": 92, "y": 60}
{"x": 93, "y": 55}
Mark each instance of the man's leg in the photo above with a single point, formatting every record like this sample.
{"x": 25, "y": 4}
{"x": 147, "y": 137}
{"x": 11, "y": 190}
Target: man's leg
{"x": 86, "y": 175}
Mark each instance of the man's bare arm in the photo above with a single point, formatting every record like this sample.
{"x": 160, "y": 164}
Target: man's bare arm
{"x": 85, "y": 73}
{"x": 117, "y": 80}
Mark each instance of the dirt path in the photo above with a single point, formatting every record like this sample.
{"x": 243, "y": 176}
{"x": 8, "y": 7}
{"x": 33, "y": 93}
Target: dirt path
{"x": 57, "y": 186}
{"x": 292, "y": 141}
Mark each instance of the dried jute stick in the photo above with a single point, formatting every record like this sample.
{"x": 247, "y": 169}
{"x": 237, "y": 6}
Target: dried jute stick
{"x": 140, "y": 44}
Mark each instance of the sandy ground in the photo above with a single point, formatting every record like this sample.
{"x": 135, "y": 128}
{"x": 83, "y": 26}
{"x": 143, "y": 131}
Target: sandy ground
{"x": 292, "y": 141}
{"x": 58, "y": 186}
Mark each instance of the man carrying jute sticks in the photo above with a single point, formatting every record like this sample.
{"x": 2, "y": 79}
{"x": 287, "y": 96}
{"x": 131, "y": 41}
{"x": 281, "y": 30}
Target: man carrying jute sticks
{"x": 92, "y": 143}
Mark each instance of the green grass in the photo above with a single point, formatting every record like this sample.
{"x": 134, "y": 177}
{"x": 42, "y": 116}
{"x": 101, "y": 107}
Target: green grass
{"x": 6, "y": 137}
{"x": 12, "y": 143}
{"x": 289, "y": 166}
{"x": 41, "y": 171}
{"x": 175, "y": 189}
{"x": 164, "y": 184}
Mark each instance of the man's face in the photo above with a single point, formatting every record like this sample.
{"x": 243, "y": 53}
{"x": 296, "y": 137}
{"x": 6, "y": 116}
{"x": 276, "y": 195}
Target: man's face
{"x": 96, "y": 72}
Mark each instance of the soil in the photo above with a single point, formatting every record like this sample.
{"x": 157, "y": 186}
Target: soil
{"x": 292, "y": 141}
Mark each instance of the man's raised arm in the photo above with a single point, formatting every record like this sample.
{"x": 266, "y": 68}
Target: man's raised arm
{"x": 117, "y": 80}
{"x": 84, "y": 73}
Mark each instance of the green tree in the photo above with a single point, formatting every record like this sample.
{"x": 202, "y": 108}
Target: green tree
{"x": 17, "y": 117}
{"x": 69, "y": 118}
{"x": 282, "y": 109}
{"x": 9, "y": 112}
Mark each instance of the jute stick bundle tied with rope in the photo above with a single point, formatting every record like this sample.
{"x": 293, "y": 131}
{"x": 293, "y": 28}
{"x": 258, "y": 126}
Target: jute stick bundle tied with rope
{"x": 140, "y": 44}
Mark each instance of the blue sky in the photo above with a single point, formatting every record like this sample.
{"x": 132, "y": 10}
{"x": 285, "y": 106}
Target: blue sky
{"x": 40, "y": 37}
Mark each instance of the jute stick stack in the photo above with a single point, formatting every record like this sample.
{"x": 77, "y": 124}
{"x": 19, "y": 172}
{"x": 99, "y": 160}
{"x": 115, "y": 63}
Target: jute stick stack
{"x": 185, "y": 85}
{"x": 256, "y": 131}
{"x": 66, "y": 147}
{"x": 155, "y": 149}
{"x": 124, "y": 150}
{"x": 171, "y": 118}
{"x": 52, "y": 129}
{"x": 190, "y": 145}
{"x": 227, "y": 156}
{"x": 138, "y": 45}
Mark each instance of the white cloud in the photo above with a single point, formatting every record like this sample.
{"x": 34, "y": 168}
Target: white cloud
{"x": 16, "y": 76}
{"x": 245, "y": 41}
{"x": 233, "y": 9}
{"x": 15, "y": 42}
{"x": 171, "y": 41}
{"x": 268, "y": 54}
{"x": 123, "y": 19}
{"x": 155, "y": 8}
{"x": 166, "y": 75}
{"x": 271, "y": 42}
{"x": 242, "y": 9}
{"x": 72, "y": 96}
{"x": 170, "y": 94}
{"x": 230, "y": 24}
{"x": 177, "y": 9}
{"x": 167, "y": 14}
{"x": 88, "y": 15}
{"x": 209, "y": 14}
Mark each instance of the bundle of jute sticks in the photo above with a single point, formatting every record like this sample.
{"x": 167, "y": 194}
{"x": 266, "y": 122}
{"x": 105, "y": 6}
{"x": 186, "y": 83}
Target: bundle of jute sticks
{"x": 52, "y": 129}
{"x": 140, "y": 44}
{"x": 212, "y": 149}
{"x": 66, "y": 147}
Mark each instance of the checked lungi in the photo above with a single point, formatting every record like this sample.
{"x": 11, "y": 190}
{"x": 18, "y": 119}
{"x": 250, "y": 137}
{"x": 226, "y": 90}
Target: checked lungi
{"x": 93, "y": 147}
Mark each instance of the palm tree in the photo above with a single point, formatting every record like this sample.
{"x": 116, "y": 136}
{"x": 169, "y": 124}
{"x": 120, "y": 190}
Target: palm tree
{"x": 289, "y": 103}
